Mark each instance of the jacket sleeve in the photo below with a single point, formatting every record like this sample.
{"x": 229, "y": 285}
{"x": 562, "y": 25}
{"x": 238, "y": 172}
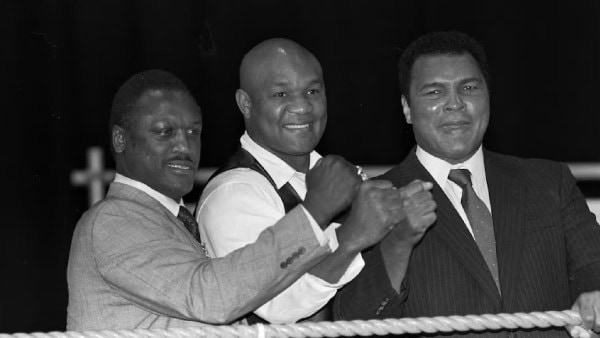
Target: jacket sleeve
{"x": 370, "y": 295}
{"x": 582, "y": 237}
{"x": 144, "y": 259}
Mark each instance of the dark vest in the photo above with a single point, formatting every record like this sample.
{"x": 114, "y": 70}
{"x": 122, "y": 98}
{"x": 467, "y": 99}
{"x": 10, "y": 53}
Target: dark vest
{"x": 243, "y": 159}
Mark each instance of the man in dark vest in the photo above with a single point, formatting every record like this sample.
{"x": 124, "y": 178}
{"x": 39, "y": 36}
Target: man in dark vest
{"x": 282, "y": 99}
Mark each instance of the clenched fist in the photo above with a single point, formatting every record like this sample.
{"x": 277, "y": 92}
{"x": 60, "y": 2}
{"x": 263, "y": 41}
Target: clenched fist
{"x": 375, "y": 211}
{"x": 331, "y": 186}
{"x": 419, "y": 208}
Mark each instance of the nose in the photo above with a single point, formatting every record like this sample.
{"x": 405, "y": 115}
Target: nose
{"x": 180, "y": 142}
{"x": 454, "y": 103}
{"x": 300, "y": 105}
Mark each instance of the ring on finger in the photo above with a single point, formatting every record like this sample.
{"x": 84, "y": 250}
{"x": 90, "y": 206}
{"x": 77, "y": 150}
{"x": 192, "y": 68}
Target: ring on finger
{"x": 361, "y": 173}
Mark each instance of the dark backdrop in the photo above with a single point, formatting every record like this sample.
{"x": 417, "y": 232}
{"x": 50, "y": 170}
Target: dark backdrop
{"x": 63, "y": 60}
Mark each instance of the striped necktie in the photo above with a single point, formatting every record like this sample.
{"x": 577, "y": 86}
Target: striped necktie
{"x": 186, "y": 217}
{"x": 480, "y": 218}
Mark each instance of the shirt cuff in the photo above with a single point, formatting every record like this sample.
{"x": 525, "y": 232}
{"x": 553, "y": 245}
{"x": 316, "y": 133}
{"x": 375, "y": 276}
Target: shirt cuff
{"x": 353, "y": 269}
{"x": 321, "y": 238}
{"x": 302, "y": 299}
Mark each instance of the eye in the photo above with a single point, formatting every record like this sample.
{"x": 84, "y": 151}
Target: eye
{"x": 469, "y": 88}
{"x": 313, "y": 92}
{"x": 280, "y": 94}
{"x": 193, "y": 131}
{"x": 433, "y": 92}
{"x": 165, "y": 132}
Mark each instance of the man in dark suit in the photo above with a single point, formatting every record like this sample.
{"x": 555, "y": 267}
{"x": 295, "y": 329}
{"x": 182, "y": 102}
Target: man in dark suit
{"x": 511, "y": 235}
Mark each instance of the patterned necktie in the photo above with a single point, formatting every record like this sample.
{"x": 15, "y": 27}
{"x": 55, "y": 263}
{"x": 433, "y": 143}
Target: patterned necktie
{"x": 190, "y": 223}
{"x": 480, "y": 218}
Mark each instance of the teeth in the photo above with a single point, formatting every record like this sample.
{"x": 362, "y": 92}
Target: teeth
{"x": 177, "y": 166}
{"x": 296, "y": 126}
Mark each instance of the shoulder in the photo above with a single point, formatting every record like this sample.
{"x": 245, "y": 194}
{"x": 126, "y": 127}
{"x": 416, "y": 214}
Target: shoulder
{"x": 239, "y": 184}
{"x": 130, "y": 218}
{"x": 408, "y": 170}
{"x": 237, "y": 176}
{"x": 526, "y": 168}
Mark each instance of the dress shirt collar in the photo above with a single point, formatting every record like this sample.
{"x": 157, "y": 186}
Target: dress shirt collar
{"x": 279, "y": 171}
{"x": 167, "y": 202}
{"x": 440, "y": 169}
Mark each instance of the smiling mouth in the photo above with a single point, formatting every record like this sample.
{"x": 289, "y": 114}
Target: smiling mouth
{"x": 296, "y": 126}
{"x": 455, "y": 125}
{"x": 180, "y": 166}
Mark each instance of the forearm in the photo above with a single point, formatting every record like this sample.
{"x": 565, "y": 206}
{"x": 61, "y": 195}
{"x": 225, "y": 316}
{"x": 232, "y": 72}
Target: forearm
{"x": 333, "y": 267}
{"x": 369, "y": 295}
{"x": 169, "y": 276}
{"x": 395, "y": 258}
{"x": 314, "y": 289}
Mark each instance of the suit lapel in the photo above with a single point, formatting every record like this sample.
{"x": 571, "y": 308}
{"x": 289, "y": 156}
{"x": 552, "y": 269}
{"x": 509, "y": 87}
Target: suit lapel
{"x": 507, "y": 199}
{"x": 124, "y": 191}
{"x": 449, "y": 227}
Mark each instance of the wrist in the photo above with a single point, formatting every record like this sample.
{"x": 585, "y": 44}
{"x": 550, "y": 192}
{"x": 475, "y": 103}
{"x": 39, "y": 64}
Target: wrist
{"x": 321, "y": 217}
{"x": 393, "y": 245}
{"x": 347, "y": 240}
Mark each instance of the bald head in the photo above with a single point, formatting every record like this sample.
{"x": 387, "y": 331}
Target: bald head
{"x": 270, "y": 54}
{"x": 282, "y": 98}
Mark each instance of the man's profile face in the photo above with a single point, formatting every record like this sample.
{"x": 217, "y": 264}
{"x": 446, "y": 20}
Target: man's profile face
{"x": 449, "y": 106}
{"x": 289, "y": 107}
{"x": 163, "y": 142}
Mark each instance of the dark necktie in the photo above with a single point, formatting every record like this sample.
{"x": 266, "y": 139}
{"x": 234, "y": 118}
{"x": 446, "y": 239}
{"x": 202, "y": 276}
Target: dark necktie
{"x": 190, "y": 223}
{"x": 480, "y": 218}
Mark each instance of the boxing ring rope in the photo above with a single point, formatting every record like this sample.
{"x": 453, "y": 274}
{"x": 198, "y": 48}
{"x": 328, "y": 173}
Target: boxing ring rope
{"x": 341, "y": 328}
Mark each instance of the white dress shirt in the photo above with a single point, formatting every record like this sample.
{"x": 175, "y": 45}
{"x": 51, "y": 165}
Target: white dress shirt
{"x": 168, "y": 202}
{"x": 440, "y": 169}
{"x": 239, "y": 204}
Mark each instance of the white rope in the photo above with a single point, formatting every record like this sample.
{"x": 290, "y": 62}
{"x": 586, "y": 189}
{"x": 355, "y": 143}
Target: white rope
{"x": 341, "y": 328}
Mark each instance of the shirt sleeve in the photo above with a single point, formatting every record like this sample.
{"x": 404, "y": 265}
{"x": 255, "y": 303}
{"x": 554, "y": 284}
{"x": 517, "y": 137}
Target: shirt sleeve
{"x": 233, "y": 214}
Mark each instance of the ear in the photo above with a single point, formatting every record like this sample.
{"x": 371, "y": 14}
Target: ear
{"x": 244, "y": 102}
{"x": 118, "y": 139}
{"x": 406, "y": 110}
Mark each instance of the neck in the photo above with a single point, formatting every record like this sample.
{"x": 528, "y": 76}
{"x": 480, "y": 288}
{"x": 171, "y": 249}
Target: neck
{"x": 299, "y": 163}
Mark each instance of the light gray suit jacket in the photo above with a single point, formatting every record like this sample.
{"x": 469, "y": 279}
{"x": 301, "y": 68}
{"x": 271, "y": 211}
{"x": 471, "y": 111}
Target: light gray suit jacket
{"x": 134, "y": 265}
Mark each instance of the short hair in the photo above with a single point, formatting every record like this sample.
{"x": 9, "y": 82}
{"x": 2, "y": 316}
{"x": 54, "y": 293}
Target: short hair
{"x": 130, "y": 92}
{"x": 439, "y": 43}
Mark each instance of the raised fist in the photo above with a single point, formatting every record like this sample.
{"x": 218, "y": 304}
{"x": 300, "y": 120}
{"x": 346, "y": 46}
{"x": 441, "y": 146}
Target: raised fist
{"x": 376, "y": 210}
{"x": 331, "y": 186}
{"x": 419, "y": 208}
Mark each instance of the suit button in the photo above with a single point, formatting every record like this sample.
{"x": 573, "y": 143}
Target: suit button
{"x": 289, "y": 260}
{"x": 301, "y": 250}
{"x": 295, "y": 255}
{"x": 283, "y": 265}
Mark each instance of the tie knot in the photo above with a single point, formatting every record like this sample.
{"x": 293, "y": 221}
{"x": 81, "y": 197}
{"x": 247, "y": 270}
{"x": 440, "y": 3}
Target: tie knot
{"x": 462, "y": 177}
{"x": 185, "y": 215}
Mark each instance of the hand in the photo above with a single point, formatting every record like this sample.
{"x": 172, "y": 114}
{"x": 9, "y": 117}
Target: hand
{"x": 419, "y": 208}
{"x": 588, "y": 306}
{"x": 375, "y": 211}
{"x": 330, "y": 188}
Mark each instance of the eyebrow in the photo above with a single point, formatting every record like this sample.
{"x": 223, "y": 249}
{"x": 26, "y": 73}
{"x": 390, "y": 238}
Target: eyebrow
{"x": 441, "y": 84}
{"x": 284, "y": 83}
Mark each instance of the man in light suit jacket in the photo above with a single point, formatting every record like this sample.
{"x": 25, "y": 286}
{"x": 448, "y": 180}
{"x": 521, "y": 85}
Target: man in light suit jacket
{"x": 546, "y": 254}
{"x": 136, "y": 258}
